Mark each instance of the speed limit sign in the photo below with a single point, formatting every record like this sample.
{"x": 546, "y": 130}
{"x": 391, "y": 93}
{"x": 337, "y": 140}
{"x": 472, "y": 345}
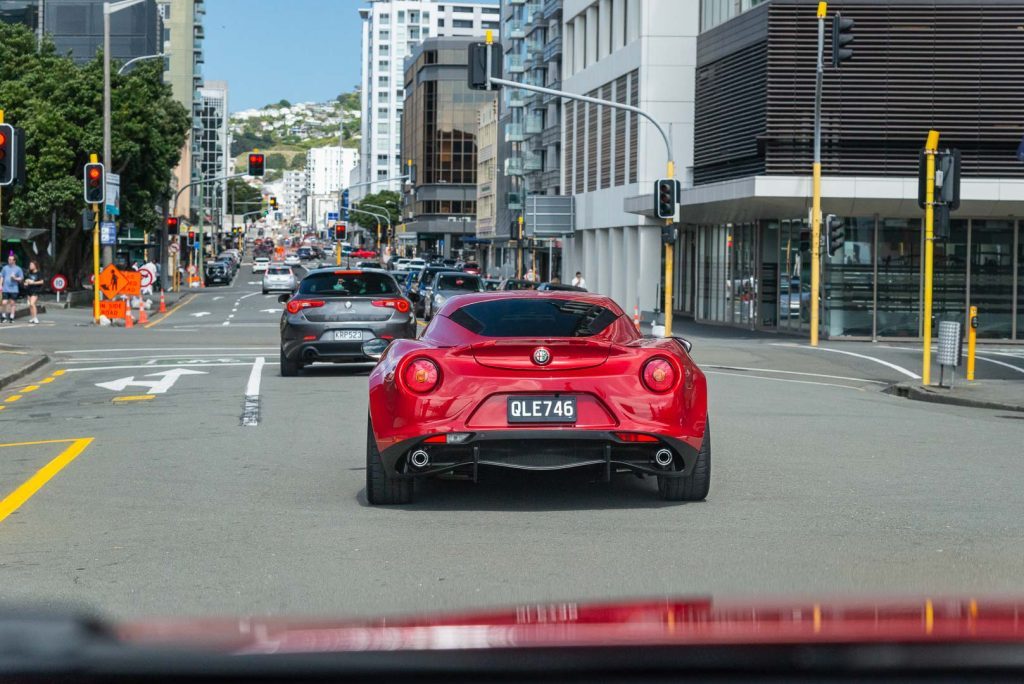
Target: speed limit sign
{"x": 58, "y": 283}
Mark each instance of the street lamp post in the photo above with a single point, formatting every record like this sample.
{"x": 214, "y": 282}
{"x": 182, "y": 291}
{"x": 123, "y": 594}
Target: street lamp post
{"x": 108, "y": 9}
{"x": 133, "y": 60}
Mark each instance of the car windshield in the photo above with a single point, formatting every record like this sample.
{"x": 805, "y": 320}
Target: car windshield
{"x": 278, "y": 271}
{"x": 348, "y": 284}
{"x": 262, "y": 260}
{"x": 533, "y": 318}
{"x": 459, "y": 282}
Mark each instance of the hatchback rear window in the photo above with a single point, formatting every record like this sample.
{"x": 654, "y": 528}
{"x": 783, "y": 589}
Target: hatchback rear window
{"x": 458, "y": 282}
{"x": 348, "y": 284}
{"x": 277, "y": 270}
{"x": 533, "y": 318}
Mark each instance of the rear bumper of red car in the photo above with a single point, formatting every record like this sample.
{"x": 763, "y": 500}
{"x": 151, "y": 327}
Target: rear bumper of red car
{"x": 536, "y": 449}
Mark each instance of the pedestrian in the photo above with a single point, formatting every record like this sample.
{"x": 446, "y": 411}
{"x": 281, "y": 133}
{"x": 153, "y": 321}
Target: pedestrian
{"x": 11, "y": 275}
{"x": 531, "y": 275}
{"x": 578, "y": 281}
{"x": 33, "y": 286}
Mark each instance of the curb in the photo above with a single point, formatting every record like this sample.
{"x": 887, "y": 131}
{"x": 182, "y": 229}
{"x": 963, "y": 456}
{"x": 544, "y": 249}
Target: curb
{"x": 24, "y": 370}
{"x": 915, "y": 393}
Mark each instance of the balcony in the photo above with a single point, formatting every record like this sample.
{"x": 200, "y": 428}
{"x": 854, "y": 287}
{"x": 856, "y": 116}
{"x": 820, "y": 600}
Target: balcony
{"x": 514, "y": 64}
{"x": 515, "y": 98}
{"x": 552, "y": 9}
{"x": 554, "y": 47}
{"x": 532, "y": 162}
{"x": 514, "y": 132}
{"x": 515, "y": 29}
{"x": 554, "y": 85}
{"x": 534, "y": 124}
{"x": 552, "y": 135}
{"x": 514, "y": 201}
{"x": 514, "y": 166}
{"x": 551, "y": 178}
{"x": 517, "y": 2}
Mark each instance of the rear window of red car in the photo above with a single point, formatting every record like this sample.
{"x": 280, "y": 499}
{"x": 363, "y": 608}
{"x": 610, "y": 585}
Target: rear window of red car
{"x": 348, "y": 284}
{"x": 533, "y": 318}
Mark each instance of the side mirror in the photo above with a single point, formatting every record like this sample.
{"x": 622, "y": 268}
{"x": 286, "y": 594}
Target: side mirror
{"x": 283, "y": 298}
{"x": 687, "y": 345}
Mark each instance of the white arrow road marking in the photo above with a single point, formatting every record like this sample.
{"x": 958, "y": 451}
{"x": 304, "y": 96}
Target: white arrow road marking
{"x": 166, "y": 381}
{"x": 270, "y": 310}
{"x": 218, "y": 297}
{"x": 200, "y": 314}
{"x": 251, "y": 405}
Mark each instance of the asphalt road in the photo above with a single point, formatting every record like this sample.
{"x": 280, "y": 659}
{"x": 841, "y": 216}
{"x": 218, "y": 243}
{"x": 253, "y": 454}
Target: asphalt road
{"x": 162, "y": 501}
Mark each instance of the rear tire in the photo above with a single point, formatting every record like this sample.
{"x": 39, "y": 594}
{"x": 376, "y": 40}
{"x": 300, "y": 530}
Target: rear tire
{"x": 695, "y": 486}
{"x": 382, "y": 490}
{"x": 289, "y": 369}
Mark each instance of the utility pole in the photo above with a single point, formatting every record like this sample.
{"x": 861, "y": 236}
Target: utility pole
{"x": 930, "y": 150}
{"x": 816, "y": 182}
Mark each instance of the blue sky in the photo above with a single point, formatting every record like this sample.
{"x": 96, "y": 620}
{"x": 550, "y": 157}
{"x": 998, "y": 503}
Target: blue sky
{"x": 268, "y": 50}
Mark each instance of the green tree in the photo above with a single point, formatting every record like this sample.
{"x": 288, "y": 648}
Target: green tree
{"x": 276, "y": 161}
{"x": 298, "y": 162}
{"x": 245, "y": 196}
{"x": 388, "y": 199}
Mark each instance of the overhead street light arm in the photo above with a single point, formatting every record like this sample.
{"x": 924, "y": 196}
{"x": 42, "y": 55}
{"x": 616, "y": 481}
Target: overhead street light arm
{"x": 139, "y": 59}
{"x": 201, "y": 182}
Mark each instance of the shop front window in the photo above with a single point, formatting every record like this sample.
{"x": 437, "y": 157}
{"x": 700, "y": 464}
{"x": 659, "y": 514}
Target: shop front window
{"x": 849, "y": 281}
{"x": 899, "y": 278}
{"x": 949, "y": 280}
{"x": 992, "y": 277}
{"x": 794, "y": 275}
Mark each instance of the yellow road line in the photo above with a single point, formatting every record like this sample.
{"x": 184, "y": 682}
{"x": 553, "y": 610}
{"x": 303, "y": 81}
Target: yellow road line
{"x": 19, "y": 496}
{"x": 180, "y": 304}
{"x": 30, "y": 388}
{"x": 13, "y": 398}
{"x": 46, "y": 381}
{"x": 135, "y": 397}
{"x": 58, "y": 373}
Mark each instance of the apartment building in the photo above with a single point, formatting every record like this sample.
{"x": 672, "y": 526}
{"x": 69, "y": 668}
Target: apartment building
{"x": 213, "y": 156}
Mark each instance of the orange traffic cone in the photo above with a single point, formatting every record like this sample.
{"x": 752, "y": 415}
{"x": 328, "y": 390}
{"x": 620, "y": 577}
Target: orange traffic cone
{"x": 636, "y": 316}
{"x": 128, "y": 322}
{"x": 143, "y": 318}
{"x": 163, "y": 304}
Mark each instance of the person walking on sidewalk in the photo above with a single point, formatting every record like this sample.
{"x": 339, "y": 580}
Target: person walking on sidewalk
{"x": 33, "y": 286}
{"x": 11, "y": 275}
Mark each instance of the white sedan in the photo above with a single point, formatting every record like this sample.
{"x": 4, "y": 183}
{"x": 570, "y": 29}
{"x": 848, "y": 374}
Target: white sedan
{"x": 292, "y": 260}
{"x": 260, "y": 264}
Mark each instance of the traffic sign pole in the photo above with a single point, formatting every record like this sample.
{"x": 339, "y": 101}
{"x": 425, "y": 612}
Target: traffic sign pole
{"x": 95, "y": 255}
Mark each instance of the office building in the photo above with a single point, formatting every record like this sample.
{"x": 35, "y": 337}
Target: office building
{"x": 294, "y": 200}
{"x": 183, "y": 69}
{"x": 439, "y": 135}
{"x": 642, "y": 54}
{"x": 744, "y": 249}
{"x": 487, "y": 179}
{"x": 213, "y": 151}
{"x": 28, "y": 13}
{"x": 327, "y": 173}
{"x": 391, "y": 31}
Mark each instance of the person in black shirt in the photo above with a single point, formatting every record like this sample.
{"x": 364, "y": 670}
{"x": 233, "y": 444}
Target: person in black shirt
{"x": 33, "y": 287}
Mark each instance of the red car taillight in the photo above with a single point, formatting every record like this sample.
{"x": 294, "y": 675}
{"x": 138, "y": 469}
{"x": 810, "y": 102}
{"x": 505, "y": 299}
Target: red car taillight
{"x": 635, "y": 437}
{"x": 658, "y": 374}
{"x": 297, "y": 305}
{"x": 399, "y": 305}
{"x": 422, "y": 375}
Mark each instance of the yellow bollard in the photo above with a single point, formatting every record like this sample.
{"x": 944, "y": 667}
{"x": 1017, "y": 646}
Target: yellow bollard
{"x": 972, "y": 337}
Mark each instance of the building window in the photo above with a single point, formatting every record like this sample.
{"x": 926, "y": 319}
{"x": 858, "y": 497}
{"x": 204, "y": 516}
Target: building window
{"x": 382, "y": 159}
{"x": 384, "y": 35}
{"x": 491, "y": 24}
{"x": 382, "y": 96}
{"x": 462, "y": 8}
{"x": 462, "y": 23}
{"x": 382, "y": 128}
{"x": 382, "y": 81}
{"x": 440, "y": 22}
{"x": 489, "y": 10}
{"x": 384, "y": 50}
{"x": 382, "y": 174}
{"x": 383, "y": 65}
{"x": 384, "y": 19}
{"x": 401, "y": 16}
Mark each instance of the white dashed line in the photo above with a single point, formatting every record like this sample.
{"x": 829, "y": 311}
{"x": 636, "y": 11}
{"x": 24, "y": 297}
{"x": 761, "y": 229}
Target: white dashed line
{"x": 898, "y": 369}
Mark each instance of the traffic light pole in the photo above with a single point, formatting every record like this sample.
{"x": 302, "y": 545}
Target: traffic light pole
{"x": 816, "y": 181}
{"x": 387, "y": 217}
{"x": 930, "y": 150}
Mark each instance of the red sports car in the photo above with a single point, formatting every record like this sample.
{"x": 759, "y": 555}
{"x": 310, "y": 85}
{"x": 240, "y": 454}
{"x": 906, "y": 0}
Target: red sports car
{"x": 536, "y": 381}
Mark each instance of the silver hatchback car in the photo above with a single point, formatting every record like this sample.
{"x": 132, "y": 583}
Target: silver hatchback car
{"x": 279, "y": 278}
{"x": 343, "y": 316}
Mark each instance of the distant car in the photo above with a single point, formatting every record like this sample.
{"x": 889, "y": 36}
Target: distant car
{"x": 517, "y": 284}
{"x": 491, "y": 284}
{"x": 218, "y": 272}
{"x": 304, "y": 253}
{"x": 424, "y": 278}
{"x": 329, "y": 248}
{"x": 292, "y": 260}
{"x": 471, "y": 267}
{"x": 559, "y": 287}
{"x": 447, "y": 285}
{"x": 400, "y": 263}
{"x": 364, "y": 254}
{"x": 405, "y": 280}
{"x": 260, "y": 265}
{"x": 342, "y": 316}
{"x": 416, "y": 265}
{"x": 279, "y": 278}
{"x": 369, "y": 264}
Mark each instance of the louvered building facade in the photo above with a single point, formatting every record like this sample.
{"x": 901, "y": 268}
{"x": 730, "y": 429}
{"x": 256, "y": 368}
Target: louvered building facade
{"x": 949, "y": 65}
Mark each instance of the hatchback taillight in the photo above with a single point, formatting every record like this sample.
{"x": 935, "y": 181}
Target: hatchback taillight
{"x": 658, "y": 374}
{"x": 399, "y": 305}
{"x": 422, "y": 375}
{"x": 297, "y": 305}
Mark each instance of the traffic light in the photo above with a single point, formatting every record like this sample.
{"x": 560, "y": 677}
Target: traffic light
{"x": 476, "y": 72}
{"x": 665, "y": 198}
{"x": 191, "y": 238}
{"x": 339, "y": 232}
{"x": 344, "y": 204}
{"x": 947, "y": 179}
{"x": 172, "y": 225}
{"x": 95, "y": 184}
{"x": 836, "y": 233}
{"x": 842, "y": 35}
{"x": 273, "y": 202}
{"x": 256, "y": 164}
{"x": 7, "y": 155}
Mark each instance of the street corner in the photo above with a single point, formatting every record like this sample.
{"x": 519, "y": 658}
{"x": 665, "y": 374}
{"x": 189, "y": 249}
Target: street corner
{"x": 1000, "y": 395}
{"x": 16, "y": 363}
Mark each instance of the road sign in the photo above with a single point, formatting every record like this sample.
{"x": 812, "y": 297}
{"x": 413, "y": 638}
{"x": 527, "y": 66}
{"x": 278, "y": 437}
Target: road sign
{"x": 58, "y": 283}
{"x": 173, "y": 247}
{"x": 549, "y": 216}
{"x": 113, "y": 202}
{"x": 113, "y": 308}
{"x": 111, "y": 281}
{"x": 166, "y": 381}
{"x": 332, "y": 216}
{"x": 132, "y": 283}
{"x": 192, "y": 269}
{"x": 108, "y": 233}
{"x": 147, "y": 277}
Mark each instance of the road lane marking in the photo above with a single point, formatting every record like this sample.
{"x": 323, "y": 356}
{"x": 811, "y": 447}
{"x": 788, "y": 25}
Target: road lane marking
{"x": 13, "y": 398}
{"x": 772, "y": 370}
{"x": 134, "y": 397}
{"x": 226, "y": 323}
{"x": 19, "y": 496}
{"x": 30, "y": 388}
{"x": 161, "y": 319}
{"x": 166, "y": 381}
{"x": 893, "y": 366}
{"x": 190, "y": 358}
{"x": 998, "y": 363}
{"x": 171, "y": 349}
{"x": 47, "y": 381}
{"x": 251, "y": 294}
{"x": 798, "y": 382}
{"x": 57, "y": 373}
{"x": 251, "y": 405}
{"x": 160, "y": 365}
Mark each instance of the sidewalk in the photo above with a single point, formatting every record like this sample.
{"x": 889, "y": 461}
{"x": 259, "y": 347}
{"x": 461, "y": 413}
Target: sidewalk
{"x": 17, "y": 362}
{"x": 1003, "y": 395}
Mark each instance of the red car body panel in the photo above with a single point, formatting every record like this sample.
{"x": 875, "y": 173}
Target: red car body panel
{"x": 668, "y": 622}
{"x": 478, "y": 373}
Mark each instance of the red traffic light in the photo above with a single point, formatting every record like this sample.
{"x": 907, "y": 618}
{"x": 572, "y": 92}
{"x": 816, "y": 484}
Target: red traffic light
{"x": 3, "y": 139}
{"x": 94, "y": 173}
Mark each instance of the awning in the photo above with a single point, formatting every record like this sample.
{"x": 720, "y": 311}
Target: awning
{"x": 14, "y": 233}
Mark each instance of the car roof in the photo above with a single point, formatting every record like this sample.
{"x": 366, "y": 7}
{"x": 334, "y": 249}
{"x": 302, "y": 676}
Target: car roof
{"x": 460, "y": 301}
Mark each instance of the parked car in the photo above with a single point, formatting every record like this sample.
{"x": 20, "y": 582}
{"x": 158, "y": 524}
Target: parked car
{"x": 279, "y": 278}
{"x": 342, "y": 316}
{"x": 559, "y": 287}
{"x": 218, "y": 272}
{"x": 517, "y": 284}
{"x": 260, "y": 265}
{"x": 492, "y": 284}
{"x": 369, "y": 264}
{"x": 447, "y": 285}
